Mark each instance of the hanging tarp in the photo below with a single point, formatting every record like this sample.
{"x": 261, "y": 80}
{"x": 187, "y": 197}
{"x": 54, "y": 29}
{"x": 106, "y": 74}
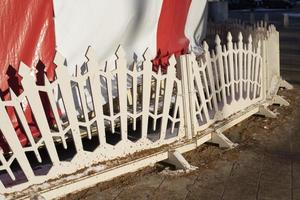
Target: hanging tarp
{"x": 164, "y": 26}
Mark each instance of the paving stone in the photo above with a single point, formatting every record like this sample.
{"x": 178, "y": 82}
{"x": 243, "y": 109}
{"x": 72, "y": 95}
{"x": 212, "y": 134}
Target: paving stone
{"x": 143, "y": 189}
{"x": 214, "y": 179}
{"x": 276, "y": 171}
{"x": 111, "y": 193}
{"x": 296, "y": 174}
{"x": 242, "y": 173}
{"x": 248, "y": 158}
{"x": 296, "y": 194}
{"x": 174, "y": 188}
{"x": 203, "y": 193}
{"x": 240, "y": 190}
{"x": 274, "y": 191}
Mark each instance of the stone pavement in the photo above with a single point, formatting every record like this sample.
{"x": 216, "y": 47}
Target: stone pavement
{"x": 266, "y": 166}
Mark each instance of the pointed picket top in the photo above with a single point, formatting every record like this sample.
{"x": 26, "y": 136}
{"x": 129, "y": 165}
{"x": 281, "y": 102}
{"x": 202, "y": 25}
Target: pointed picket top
{"x": 229, "y": 37}
{"x": 47, "y": 82}
{"x": 250, "y": 39}
{"x": 120, "y": 63}
{"x": 59, "y": 60}
{"x": 120, "y": 53}
{"x": 257, "y": 25}
{"x": 205, "y": 46}
{"x": 61, "y": 69}
{"x": 258, "y": 46}
{"x": 218, "y": 40}
{"x": 171, "y": 68}
{"x": 90, "y": 54}
{"x": 172, "y": 61}
{"x": 270, "y": 28}
{"x": 258, "y": 50}
{"x": 147, "y": 55}
{"x": 92, "y": 59}
{"x": 159, "y": 72}
{"x": 273, "y": 28}
{"x": 24, "y": 70}
{"x": 240, "y": 37}
{"x": 262, "y": 23}
{"x": 201, "y": 63}
{"x": 193, "y": 56}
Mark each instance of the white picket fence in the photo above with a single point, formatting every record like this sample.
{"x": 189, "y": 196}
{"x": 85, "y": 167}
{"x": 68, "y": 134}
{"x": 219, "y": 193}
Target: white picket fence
{"x": 224, "y": 82}
{"x": 142, "y": 109}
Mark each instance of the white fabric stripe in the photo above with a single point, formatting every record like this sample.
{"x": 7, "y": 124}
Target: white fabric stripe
{"x": 195, "y": 26}
{"x": 104, "y": 25}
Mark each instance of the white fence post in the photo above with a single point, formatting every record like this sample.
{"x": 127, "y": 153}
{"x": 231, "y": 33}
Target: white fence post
{"x": 212, "y": 83}
{"x": 184, "y": 67}
{"x": 241, "y": 64}
{"x": 264, "y": 68}
{"x": 231, "y": 65}
{"x": 92, "y": 66}
{"x": 122, "y": 82}
{"x": 64, "y": 83}
{"x": 273, "y": 60}
{"x": 147, "y": 78}
{"x": 249, "y": 64}
{"x": 168, "y": 94}
{"x": 220, "y": 63}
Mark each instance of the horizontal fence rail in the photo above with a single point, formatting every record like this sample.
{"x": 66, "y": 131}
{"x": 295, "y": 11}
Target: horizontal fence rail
{"x": 103, "y": 113}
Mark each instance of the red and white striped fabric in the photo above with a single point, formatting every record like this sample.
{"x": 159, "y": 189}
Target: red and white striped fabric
{"x": 31, "y": 31}
{"x": 164, "y": 26}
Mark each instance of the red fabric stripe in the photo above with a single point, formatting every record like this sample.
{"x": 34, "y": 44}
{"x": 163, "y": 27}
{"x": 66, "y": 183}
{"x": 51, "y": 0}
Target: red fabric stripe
{"x": 27, "y": 35}
{"x": 170, "y": 34}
